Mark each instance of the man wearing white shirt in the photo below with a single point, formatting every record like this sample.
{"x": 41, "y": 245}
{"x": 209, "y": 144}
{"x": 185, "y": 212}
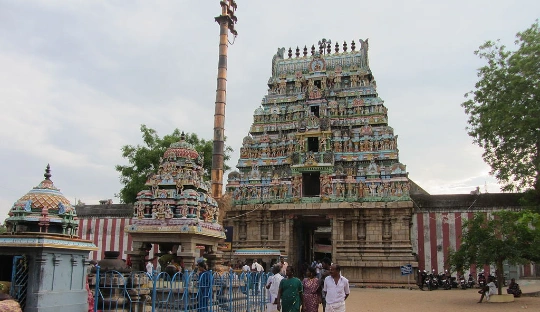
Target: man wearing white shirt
{"x": 149, "y": 267}
{"x": 256, "y": 267}
{"x": 273, "y": 288}
{"x": 336, "y": 289}
{"x": 284, "y": 266}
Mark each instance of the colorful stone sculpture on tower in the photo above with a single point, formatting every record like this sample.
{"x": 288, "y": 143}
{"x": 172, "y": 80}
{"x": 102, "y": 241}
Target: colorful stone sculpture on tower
{"x": 319, "y": 172}
{"x": 176, "y": 210}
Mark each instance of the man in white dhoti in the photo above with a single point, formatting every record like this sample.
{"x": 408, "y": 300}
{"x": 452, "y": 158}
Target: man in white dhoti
{"x": 272, "y": 285}
{"x": 336, "y": 288}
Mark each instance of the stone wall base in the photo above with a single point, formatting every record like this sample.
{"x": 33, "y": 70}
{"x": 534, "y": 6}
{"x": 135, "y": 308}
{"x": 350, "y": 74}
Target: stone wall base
{"x": 501, "y": 298}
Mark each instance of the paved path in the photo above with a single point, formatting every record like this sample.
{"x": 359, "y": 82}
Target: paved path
{"x": 390, "y": 300}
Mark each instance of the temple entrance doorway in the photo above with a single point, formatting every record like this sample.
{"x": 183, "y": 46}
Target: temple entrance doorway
{"x": 312, "y": 240}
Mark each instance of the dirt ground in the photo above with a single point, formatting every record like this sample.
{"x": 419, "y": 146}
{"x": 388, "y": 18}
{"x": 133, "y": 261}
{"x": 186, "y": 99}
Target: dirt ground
{"x": 390, "y": 300}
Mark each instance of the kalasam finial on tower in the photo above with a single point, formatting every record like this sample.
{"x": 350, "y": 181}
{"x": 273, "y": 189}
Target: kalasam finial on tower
{"x": 47, "y": 174}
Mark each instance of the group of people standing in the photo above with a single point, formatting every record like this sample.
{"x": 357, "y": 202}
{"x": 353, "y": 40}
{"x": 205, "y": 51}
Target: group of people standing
{"x": 288, "y": 293}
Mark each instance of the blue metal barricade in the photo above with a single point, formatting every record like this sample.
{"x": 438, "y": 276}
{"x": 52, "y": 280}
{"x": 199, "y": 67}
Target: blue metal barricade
{"x": 184, "y": 291}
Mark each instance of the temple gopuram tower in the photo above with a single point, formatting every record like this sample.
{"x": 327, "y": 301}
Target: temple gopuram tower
{"x": 319, "y": 173}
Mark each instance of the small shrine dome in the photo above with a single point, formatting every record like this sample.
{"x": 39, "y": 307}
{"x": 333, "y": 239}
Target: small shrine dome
{"x": 234, "y": 175}
{"x": 43, "y": 209}
{"x": 181, "y": 149}
{"x": 259, "y": 111}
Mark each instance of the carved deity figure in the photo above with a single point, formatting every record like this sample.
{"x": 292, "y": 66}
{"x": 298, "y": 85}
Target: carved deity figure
{"x": 360, "y": 192}
{"x": 159, "y": 211}
{"x": 311, "y": 85}
{"x": 354, "y": 81}
{"x": 284, "y": 191}
{"x": 282, "y": 89}
{"x": 139, "y": 208}
{"x": 296, "y": 187}
{"x": 337, "y": 81}
{"x": 326, "y": 187}
{"x": 350, "y": 191}
{"x": 373, "y": 189}
{"x": 322, "y": 144}
{"x": 168, "y": 212}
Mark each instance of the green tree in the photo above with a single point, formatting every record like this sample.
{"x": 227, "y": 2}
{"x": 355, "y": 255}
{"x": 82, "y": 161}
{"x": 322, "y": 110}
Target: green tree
{"x": 508, "y": 236}
{"x": 504, "y": 111}
{"x": 144, "y": 160}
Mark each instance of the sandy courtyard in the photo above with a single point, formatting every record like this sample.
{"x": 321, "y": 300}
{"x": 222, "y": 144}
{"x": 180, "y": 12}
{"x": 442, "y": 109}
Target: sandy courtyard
{"x": 374, "y": 300}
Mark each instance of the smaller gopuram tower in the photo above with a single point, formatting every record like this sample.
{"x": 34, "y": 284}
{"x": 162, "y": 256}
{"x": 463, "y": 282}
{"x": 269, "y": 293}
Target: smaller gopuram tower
{"x": 176, "y": 211}
{"x": 42, "y": 253}
{"x": 319, "y": 172}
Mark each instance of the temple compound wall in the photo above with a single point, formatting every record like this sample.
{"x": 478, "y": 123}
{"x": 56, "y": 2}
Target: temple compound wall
{"x": 435, "y": 225}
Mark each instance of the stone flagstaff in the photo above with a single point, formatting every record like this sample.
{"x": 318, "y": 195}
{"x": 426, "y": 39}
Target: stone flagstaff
{"x": 226, "y": 21}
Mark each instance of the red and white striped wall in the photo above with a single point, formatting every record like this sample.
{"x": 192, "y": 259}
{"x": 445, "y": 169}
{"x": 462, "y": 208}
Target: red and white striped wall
{"x": 108, "y": 234}
{"x": 434, "y": 234}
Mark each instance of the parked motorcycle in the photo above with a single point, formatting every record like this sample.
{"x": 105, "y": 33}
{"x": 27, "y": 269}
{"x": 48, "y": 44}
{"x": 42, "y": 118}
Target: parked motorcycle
{"x": 425, "y": 281}
{"x": 434, "y": 283}
{"x": 462, "y": 282}
{"x": 481, "y": 280}
{"x": 470, "y": 281}
{"x": 452, "y": 280}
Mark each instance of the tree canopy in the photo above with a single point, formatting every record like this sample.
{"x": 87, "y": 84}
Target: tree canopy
{"x": 144, "y": 160}
{"x": 507, "y": 236}
{"x": 504, "y": 111}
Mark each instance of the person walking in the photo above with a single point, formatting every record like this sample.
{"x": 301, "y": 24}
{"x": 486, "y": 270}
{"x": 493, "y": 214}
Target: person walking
{"x": 256, "y": 274}
{"x": 203, "y": 287}
{"x": 336, "y": 289}
{"x": 272, "y": 285}
{"x": 290, "y": 292}
{"x": 284, "y": 266}
{"x": 312, "y": 295}
{"x": 324, "y": 272}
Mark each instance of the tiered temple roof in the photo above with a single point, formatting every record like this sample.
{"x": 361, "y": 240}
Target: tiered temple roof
{"x": 177, "y": 200}
{"x": 320, "y": 134}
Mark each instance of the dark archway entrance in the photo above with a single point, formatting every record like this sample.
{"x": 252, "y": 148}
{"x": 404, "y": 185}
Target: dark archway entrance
{"x": 312, "y": 240}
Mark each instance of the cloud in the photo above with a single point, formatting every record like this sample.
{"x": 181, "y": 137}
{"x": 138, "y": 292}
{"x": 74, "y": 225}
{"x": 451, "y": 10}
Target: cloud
{"x": 79, "y": 78}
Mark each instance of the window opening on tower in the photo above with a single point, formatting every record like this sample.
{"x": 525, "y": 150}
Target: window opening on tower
{"x": 315, "y": 110}
{"x": 311, "y": 184}
{"x": 313, "y": 144}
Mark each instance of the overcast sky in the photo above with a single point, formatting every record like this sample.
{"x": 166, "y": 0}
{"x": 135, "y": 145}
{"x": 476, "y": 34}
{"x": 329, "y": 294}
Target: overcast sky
{"x": 78, "y": 78}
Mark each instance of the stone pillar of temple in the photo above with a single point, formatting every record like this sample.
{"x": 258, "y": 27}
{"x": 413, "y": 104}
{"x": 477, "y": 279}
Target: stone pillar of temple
{"x": 354, "y": 225}
{"x": 288, "y": 232}
{"x": 137, "y": 256}
{"x": 188, "y": 252}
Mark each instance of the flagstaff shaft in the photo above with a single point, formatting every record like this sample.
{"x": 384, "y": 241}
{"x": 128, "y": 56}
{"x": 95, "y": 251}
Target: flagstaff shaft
{"x": 226, "y": 22}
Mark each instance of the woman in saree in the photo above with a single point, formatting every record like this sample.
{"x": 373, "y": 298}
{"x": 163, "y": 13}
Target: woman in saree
{"x": 290, "y": 292}
{"x": 312, "y": 295}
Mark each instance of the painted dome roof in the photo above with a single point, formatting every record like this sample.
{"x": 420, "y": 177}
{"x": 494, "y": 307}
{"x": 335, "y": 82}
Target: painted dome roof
{"x": 44, "y": 196}
{"x": 43, "y": 209}
{"x": 181, "y": 149}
